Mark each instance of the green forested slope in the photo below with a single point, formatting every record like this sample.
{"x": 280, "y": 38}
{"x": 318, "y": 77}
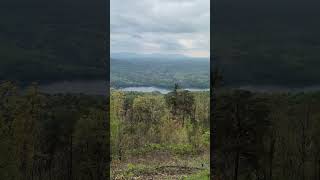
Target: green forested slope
{"x": 272, "y": 42}
{"x": 52, "y": 40}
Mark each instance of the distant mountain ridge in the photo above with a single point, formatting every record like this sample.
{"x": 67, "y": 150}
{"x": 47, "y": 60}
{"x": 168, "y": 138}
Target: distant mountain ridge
{"x": 154, "y": 56}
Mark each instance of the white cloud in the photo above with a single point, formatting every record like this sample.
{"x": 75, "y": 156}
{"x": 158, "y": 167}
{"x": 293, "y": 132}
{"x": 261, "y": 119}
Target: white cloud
{"x": 161, "y": 26}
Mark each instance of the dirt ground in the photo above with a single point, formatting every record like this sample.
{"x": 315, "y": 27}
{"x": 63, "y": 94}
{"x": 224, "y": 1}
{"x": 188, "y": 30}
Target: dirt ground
{"x": 158, "y": 166}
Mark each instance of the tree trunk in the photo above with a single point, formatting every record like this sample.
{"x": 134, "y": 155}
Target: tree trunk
{"x": 319, "y": 169}
{"x": 271, "y": 153}
{"x": 315, "y": 164}
{"x": 23, "y": 165}
{"x": 305, "y": 125}
{"x": 236, "y": 165}
{"x": 182, "y": 119}
{"x": 120, "y": 154}
{"x": 70, "y": 153}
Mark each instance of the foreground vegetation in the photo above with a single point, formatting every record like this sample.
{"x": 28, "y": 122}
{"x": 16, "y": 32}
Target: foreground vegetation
{"x": 267, "y": 136}
{"x": 56, "y": 137}
{"x": 160, "y": 136}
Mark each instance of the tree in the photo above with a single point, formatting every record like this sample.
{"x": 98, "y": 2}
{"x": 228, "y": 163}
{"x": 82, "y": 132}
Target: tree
{"x": 90, "y": 147}
{"x": 241, "y": 124}
{"x": 8, "y": 166}
{"x": 181, "y": 104}
{"x": 117, "y": 123}
{"x": 215, "y": 82}
{"x": 147, "y": 114}
{"x": 25, "y": 130}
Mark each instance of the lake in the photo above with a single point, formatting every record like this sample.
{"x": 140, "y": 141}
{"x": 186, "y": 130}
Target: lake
{"x": 153, "y": 89}
{"x": 97, "y": 87}
{"x": 279, "y": 89}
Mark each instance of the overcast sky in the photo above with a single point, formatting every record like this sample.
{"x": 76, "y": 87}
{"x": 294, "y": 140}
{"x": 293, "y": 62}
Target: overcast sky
{"x": 161, "y": 26}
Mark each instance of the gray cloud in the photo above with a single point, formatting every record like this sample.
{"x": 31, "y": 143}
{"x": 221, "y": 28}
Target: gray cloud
{"x": 161, "y": 26}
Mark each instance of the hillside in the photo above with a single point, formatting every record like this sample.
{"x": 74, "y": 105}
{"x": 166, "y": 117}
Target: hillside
{"x": 52, "y": 40}
{"x": 161, "y": 73}
{"x": 267, "y": 42}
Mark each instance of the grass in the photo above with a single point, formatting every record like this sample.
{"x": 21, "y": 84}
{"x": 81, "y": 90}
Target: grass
{"x": 162, "y": 162}
{"x": 176, "y": 149}
{"x": 140, "y": 171}
{"x": 202, "y": 175}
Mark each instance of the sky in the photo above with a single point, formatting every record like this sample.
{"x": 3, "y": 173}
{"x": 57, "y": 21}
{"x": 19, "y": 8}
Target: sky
{"x": 160, "y": 27}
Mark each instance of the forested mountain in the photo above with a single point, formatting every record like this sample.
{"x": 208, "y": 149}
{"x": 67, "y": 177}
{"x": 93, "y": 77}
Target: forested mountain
{"x": 160, "y": 72}
{"x": 274, "y": 42}
{"x": 52, "y": 40}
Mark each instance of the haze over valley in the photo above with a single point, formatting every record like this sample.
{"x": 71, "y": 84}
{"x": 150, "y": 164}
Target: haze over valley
{"x": 159, "y": 71}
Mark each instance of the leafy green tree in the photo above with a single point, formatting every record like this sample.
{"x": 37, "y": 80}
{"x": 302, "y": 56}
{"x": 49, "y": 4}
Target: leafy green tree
{"x": 117, "y": 123}
{"x": 181, "y": 105}
{"x": 8, "y": 163}
{"x": 241, "y": 125}
{"x": 147, "y": 114}
{"x": 25, "y": 130}
{"x": 90, "y": 147}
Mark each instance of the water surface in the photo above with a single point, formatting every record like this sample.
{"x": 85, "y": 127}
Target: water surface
{"x": 96, "y": 87}
{"x": 154, "y": 89}
{"x": 99, "y": 87}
